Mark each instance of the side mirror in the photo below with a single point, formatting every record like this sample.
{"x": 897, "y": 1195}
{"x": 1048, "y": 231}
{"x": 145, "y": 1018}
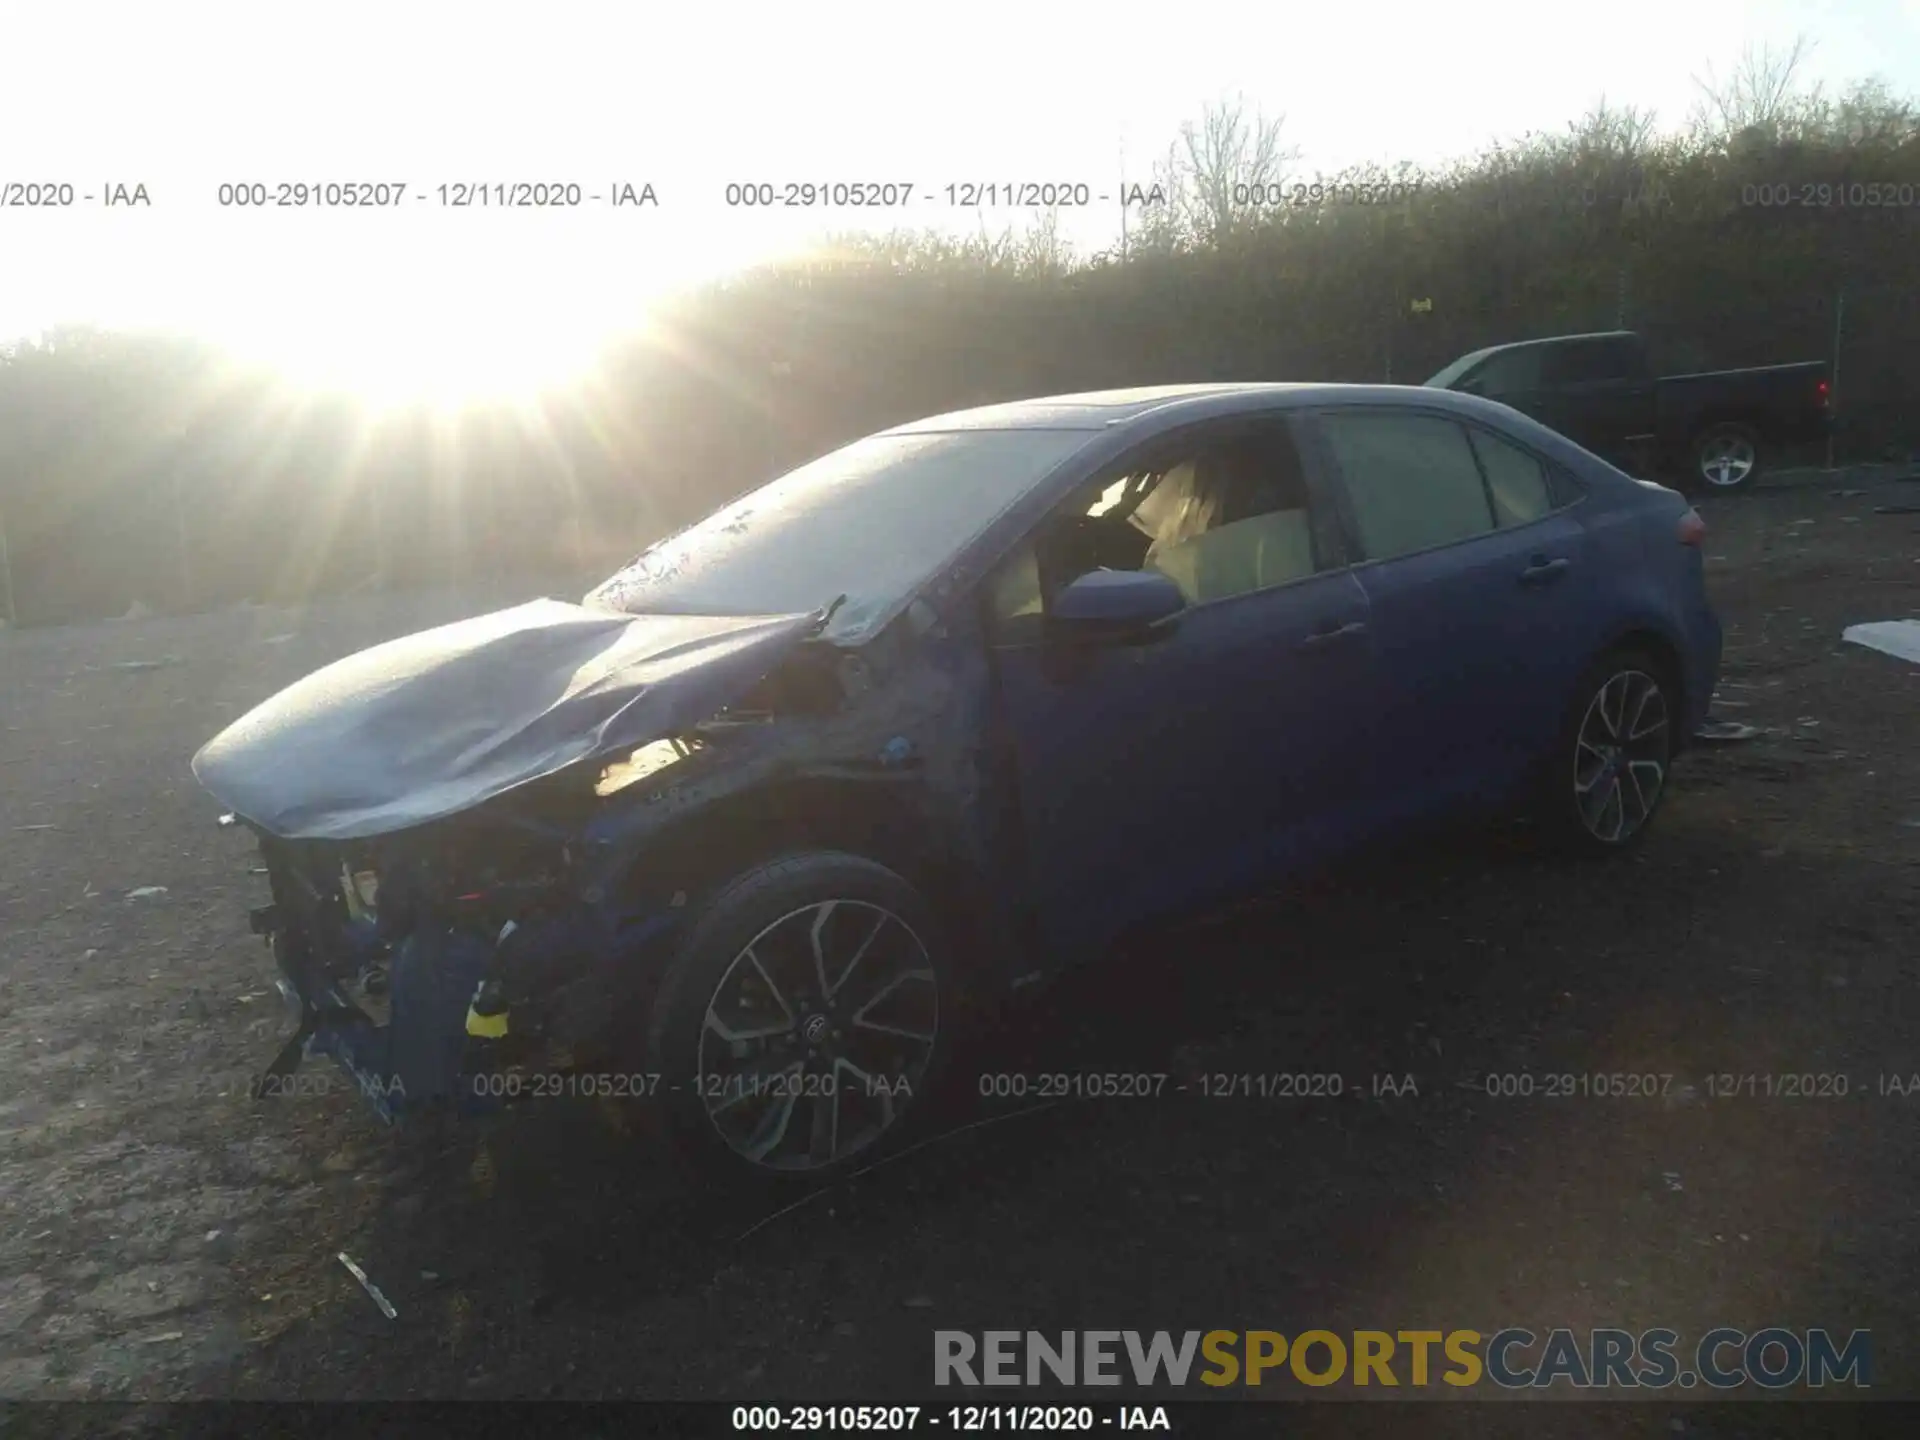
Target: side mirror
{"x": 1114, "y": 605}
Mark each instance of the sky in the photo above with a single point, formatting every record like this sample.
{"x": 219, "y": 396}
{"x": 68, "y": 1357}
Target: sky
{"x": 184, "y": 97}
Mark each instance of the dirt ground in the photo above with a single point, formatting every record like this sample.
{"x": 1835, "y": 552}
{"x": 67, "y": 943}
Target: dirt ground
{"x": 161, "y": 1236}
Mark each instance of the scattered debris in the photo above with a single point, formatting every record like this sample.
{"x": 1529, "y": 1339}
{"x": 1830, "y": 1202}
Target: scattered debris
{"x": 482, "y": 1172}
{"x": 1725, "y": 732}
{"x": 36, "y": 827}
{"x": 1898, "y": 638}
{"x": 1896, "y": 509}
{"x": 386, "y": 1306}
{"x": 163, "y": 1339}
{"x": 1846, "y": 494}
{"x": 138, "y": 610}
{"x": 163, "y": 663}
{"x": 1672, "y": 1177}
{"x": 144, "y": 891}
{"x": 276, "y": 639}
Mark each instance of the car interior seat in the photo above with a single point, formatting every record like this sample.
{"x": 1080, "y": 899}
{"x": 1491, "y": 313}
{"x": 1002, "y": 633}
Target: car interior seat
{"x": 1245, "y": 527}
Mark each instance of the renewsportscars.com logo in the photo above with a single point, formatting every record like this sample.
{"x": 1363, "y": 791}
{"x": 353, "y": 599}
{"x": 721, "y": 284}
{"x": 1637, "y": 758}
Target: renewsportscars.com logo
{"x": 1515, "y": 1359}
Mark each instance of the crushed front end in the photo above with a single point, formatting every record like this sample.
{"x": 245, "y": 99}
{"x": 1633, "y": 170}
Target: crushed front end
{"x": 456, "y": 969}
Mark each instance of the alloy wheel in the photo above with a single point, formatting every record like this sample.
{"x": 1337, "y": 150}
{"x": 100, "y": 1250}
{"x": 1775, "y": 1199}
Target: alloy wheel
{"x": 1620, "y": 756}
{"x": 1727, "y": 460}
{"x": 818, "y": 1036}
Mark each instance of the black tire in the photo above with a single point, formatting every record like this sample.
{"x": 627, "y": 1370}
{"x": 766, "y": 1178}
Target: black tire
{"x": 1724, "y": 458}
{"x": 1570, "y": 814}
{"x": 759, "y": 908}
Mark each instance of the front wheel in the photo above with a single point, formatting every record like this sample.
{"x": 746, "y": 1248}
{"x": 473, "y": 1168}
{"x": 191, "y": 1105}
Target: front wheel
{"x": 1609, "y": 771}
{"x": 799, "y": 1028}
{"x": 1725, "y": 457}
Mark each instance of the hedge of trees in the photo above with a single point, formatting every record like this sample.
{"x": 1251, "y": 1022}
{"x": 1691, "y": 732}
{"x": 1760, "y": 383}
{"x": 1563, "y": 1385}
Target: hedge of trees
{"x": 144, "y": 469}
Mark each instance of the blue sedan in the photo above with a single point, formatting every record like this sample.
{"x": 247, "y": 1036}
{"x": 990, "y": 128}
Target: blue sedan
{"x": 740, "y": 837}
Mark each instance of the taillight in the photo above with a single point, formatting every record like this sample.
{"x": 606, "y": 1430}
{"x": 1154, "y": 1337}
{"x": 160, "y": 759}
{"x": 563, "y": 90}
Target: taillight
{"x": 1693, "y": 530}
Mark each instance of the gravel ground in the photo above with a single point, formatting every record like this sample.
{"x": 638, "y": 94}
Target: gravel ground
{"x": 162, "y": 1237}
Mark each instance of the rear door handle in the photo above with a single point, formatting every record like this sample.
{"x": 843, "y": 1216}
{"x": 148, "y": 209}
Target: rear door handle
{"x": 1543, "y": 570}
{"x": 1338, "y": 632}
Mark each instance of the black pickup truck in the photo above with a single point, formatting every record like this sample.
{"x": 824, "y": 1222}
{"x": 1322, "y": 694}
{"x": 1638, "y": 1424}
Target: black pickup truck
{"x": 1713, "y": 429}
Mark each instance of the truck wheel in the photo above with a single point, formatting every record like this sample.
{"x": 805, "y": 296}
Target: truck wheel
{"x": 1725, "y": 457}
{"x": 799, "y": 1028}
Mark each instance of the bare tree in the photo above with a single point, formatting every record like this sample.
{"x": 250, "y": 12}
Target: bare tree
{"x": 1227, "y": 155}
{"x": 1610, "y": 133}
{"x": 1208, "y": 174}
{"x": 1760, "y": 100}
{"x": 1042, "y": 249}
{"x": 1866, "y": 115}
{"x": 1161, "y": 227}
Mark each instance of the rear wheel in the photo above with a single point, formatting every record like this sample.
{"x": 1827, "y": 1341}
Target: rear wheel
{"x": 1725, "y": 457}
{"x": 799, "y": 1027}
{"x": 1609, "y": 771}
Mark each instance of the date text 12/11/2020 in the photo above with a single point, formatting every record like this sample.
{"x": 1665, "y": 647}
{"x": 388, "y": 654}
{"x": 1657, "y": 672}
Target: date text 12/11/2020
{"x": 907, "y": 1419}
{"x": 448, "y": 195}
{"x": 1719, "y": 1085}
{"x": 1046, "y": 194}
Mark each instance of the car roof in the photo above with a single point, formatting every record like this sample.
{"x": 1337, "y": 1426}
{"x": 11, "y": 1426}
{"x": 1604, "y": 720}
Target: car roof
{"x": 1163, "y": 406}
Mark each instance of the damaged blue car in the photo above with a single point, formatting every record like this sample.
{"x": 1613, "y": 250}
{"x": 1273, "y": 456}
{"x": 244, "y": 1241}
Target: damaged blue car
{"x": 741, "y": 836}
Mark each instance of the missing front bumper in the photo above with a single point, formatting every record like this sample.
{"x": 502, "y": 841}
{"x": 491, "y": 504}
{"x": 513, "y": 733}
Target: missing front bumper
{"x": 422, "y": 1057}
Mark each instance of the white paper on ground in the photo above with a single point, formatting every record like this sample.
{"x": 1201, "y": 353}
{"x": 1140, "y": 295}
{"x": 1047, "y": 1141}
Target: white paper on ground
{"x": 1899, "y": 638}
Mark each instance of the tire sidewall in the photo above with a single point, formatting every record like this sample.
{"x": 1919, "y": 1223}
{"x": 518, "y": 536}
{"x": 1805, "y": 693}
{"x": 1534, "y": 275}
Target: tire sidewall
{"x": 737, "y": 911}
{"x": 1558, "y": 807}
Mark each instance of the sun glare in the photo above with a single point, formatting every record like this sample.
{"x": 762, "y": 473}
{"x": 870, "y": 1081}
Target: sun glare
{"x": 430, "y": 315}
{"x": 447, "y": 353}
{"x": 387, "y": 360}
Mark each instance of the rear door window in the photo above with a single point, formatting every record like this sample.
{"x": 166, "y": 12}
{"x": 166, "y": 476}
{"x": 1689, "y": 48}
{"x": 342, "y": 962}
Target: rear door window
{"x": 1412, "y": 480}
{"x": 1516, "y": 481}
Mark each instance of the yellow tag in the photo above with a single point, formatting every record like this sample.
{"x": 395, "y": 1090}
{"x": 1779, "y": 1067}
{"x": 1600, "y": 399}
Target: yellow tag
{"x": 487, "y": 1027}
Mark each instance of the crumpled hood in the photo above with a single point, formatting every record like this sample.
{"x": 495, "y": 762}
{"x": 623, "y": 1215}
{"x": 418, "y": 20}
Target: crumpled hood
{"x": 435, "y": 723}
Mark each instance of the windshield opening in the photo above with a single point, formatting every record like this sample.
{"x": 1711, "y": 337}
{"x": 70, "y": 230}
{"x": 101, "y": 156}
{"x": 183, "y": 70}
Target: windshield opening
{"x": 872, "y": 521}
{"x": 1444, "y": 379}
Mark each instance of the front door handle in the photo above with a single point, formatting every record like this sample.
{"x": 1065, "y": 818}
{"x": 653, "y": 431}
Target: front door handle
{"x": 1542, "y": 570}
{"x": 1339, "y": 632}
